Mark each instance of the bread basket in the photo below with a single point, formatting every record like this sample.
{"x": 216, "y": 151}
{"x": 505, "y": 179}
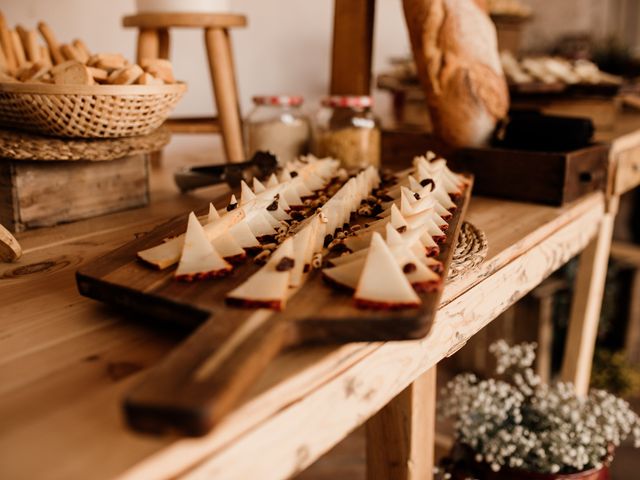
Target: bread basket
{"x": 87, "y": 111}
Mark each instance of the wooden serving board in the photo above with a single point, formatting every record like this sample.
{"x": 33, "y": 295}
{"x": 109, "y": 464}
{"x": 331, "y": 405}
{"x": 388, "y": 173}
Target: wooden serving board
{"x": 205, "y": 377}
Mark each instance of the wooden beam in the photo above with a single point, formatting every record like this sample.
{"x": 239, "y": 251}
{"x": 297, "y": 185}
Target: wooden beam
{"x": 586, "y": 306}
{"x": 352, "y": 47}
{"x": 401, "y": 436}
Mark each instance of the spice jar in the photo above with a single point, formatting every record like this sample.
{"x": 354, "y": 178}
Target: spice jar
{"x": 346, "y": 129}
{"x": 278, "y": 125}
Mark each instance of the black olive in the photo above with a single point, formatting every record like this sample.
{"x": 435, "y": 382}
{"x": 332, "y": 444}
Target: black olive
{"x": 232, "y": 206}
{"x": 285, "y": 264}
{"x": 402, "y": 229}
{"x": 409, "y": 268}
{"x": 428, "y": 181}
{"x": 273, "y": 206}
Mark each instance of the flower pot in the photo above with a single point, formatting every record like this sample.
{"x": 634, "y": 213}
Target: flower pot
{"x": 185, "y": 6}
{"x": 601, "y": 473}
{"x": 463, "y": 466}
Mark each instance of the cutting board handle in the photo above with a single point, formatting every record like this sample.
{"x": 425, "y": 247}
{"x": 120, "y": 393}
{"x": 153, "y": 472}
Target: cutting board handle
{"x": 205, "y": 377}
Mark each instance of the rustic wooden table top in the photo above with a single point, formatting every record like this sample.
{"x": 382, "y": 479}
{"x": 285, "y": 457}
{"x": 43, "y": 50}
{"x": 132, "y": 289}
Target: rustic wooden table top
{"x": 65, "y": 361}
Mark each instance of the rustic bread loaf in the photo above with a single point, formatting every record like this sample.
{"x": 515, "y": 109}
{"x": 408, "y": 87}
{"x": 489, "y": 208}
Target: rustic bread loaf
{"x": 455, "y": 48}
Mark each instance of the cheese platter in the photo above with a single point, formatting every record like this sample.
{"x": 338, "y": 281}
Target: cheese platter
{"x": 312, "y": 255}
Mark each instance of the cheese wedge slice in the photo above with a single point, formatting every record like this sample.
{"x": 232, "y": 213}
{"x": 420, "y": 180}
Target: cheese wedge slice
{"x": 258, "y": 186}
{"x": 213, "y": 214}
{"x": 199, "y": 258}
{"x": 229, "y": 248}
{"x": 260, "y": 223}
{"x": 246, "y": 194}
{"x": 243, "y": 235}
{"x": 382, "y": 284}
{"x": 164, "y": 255}
{"x": 290, "y": 194}
{"x": 346, "y": 275}
{"x": 269, "y": 286}
{"x": 273, "y": 181}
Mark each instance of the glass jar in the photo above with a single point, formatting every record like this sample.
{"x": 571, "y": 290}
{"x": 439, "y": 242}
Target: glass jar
{"x": 277, "y": 124}
{"x": 347, "y": 130}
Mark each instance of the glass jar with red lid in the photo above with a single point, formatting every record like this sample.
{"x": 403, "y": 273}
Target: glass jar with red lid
{"x": 278, "y": 124}
{"x": 346, "y": 129}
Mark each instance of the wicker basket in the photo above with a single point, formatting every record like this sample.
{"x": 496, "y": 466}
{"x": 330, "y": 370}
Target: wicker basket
{"x": 95, "y": 111}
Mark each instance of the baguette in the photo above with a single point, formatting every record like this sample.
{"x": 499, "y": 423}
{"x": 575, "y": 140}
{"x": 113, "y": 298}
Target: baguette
{"x": 82, "y": 50}
{"x": 455, "y": 48}
{"x": 51, "y": 41}
{"x": 7, "y": 44}
{"x": 18, "y": 50}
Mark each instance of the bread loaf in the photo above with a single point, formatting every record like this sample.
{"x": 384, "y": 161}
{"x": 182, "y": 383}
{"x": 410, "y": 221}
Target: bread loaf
{"x": 456, "y": 52}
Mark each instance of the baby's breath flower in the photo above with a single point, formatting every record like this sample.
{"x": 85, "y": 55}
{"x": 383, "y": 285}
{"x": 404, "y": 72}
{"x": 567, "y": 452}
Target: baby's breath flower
{"x": 519, "y": 422}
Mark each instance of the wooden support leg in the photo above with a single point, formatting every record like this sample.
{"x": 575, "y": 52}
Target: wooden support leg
{"x": 586, "y": 306}
{"x": 401, "y": 436}
{"x": 164, "y": 43}
{"x": 633, "y": 326}
{"x": 352, "y": 47}
{"x": 224, "y": 89}
{"x": 148, "y": 44}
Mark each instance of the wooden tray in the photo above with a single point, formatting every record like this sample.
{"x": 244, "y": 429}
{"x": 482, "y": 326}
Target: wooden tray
{"x": 204, "y": 378}
{"x": 552, "y": 178}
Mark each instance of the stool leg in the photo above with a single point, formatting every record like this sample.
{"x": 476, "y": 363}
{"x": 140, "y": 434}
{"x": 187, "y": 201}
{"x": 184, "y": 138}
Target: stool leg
{"x": 224, "y": 90}
{"x": 401, "y": 436}
{"x": 148, "y": 44}
{"x": 164, "y": 42}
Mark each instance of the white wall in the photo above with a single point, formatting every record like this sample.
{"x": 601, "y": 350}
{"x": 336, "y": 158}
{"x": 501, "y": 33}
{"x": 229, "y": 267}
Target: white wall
{"x": 285, "y": 49}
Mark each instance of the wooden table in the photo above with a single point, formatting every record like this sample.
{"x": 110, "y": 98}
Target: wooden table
{"x": 65, "y": 361}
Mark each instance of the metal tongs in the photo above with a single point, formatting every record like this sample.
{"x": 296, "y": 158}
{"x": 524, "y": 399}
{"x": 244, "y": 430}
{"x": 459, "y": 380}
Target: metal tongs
{"x": 261, "y": 165}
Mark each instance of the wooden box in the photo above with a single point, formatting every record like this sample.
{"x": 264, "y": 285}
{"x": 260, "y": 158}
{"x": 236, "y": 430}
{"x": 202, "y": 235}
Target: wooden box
{"x": 552, "y": 178}
{"x": 44, "y": 193}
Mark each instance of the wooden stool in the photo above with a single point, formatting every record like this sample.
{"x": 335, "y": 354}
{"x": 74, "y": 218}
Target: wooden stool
{"x": 154, "y": 42}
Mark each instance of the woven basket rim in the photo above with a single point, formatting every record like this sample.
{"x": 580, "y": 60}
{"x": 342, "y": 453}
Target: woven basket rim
{"x": 97, "y": 90}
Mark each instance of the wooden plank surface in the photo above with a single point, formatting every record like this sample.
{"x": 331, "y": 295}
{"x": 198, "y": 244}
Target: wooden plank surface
{"x": 82, "y": 356}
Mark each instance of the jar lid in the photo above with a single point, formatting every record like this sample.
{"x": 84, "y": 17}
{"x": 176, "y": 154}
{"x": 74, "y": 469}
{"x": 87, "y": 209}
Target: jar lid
{"x": 349, "y": 101}
{"x": 282, "y": 100}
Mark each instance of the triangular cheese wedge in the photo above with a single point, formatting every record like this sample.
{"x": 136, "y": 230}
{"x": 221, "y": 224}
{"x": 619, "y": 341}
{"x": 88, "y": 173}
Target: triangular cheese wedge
{"x": 213, "y": 214}
{"x": 243, "y": 235}
{"x": 273, "y": 181}
{"x": 199, "y": 259}
{"x": 290, "y": 194}
{"x": 246, "y": 194}
{"x": 269, "y": 286}
{"x": 227, "y": 246}
{"x": 417, "y": 273}
{"x": 164, "y": 255}
{"x": 259, "y": 224}
{"x": 345, "y": 275}
{"x": 382, "y": 284}
{"x": 258, "y": 187}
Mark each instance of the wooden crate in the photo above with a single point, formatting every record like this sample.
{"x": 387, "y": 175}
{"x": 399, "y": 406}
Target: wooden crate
{"x": 44, "y": 193}
{"x": 552, "y": 178}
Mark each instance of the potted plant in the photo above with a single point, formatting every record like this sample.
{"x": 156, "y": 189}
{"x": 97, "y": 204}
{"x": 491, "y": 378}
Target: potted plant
{"x": 514, "y": 426}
